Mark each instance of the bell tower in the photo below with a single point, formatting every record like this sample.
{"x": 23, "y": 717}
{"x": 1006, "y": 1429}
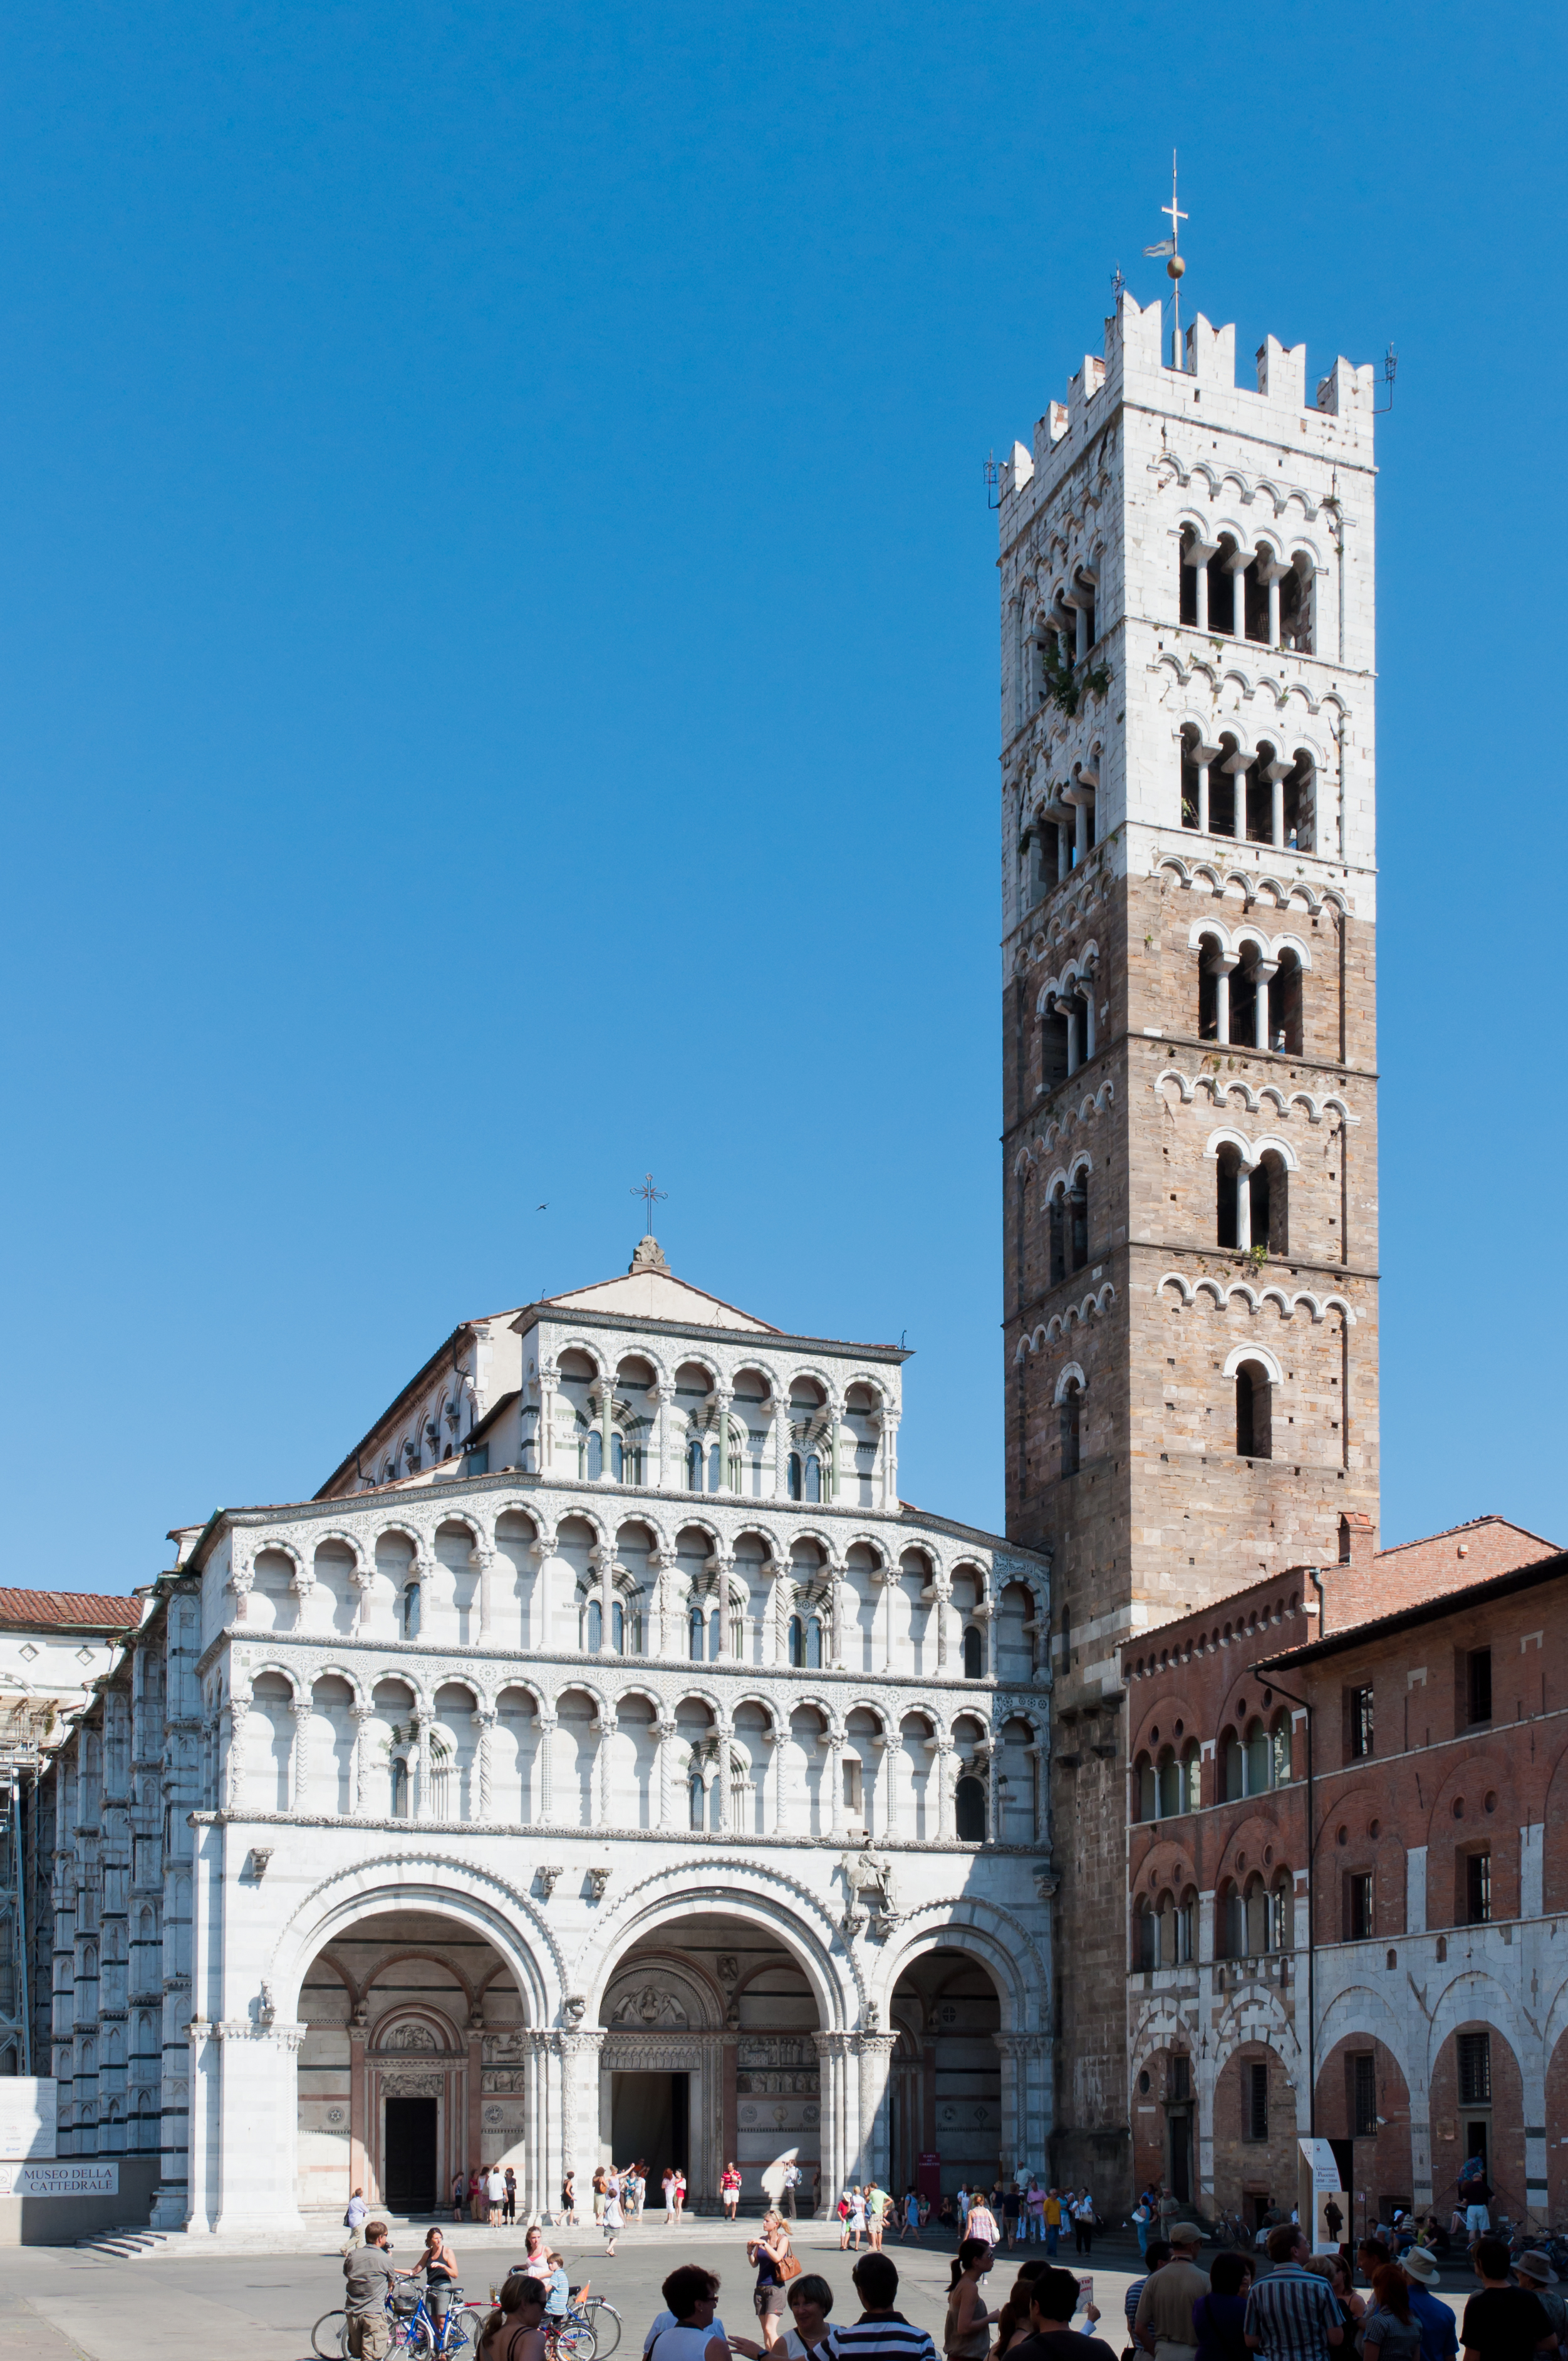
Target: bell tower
{"x": 1189, "y": 1025}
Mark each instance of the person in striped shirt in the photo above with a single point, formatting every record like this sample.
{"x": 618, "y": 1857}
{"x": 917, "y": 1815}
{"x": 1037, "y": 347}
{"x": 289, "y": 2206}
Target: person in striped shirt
{"x": 881, "y": 2333}
{"x": 1291, "y": 2314}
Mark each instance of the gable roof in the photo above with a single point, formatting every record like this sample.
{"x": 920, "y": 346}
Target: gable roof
{"x": 651, "y": 1293}
{"x": 75, "y": 1610}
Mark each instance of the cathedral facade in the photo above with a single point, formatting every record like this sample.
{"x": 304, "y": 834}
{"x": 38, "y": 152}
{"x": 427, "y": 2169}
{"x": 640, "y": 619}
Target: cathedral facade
{"x": 1190, "y": 1050}
{"x": 607, "y": 1761}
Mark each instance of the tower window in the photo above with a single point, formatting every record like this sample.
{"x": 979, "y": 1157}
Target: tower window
{"x": 974, "y": 1653}
{"x": 795, "y": 1479}
{"x": 1359, "y": 1724}
{"x": 696, "y": 1634}
{"x": 813, "y": 1477}
{"x": 695, "y": 1459}
{"x": 968, "y": 1810}
{"x": 1296, "y": 605}
{"x": 1058, "y": 1226}
{"x": 595, "y": 1638}
{"x": 1478, "y": 1684}
{"x": 1364, "y": 2093}
{"x": 797, "y": 1642}
{"x": 694, "y": 1801}
{"x": 814, "y": 1644}
{"x": 1258, "y": 2103}
{"x": 1358, "y": 1906}
{"x": 1254, "y": 1434}
{"x": 1071, "y": 1428}
{"x": 1478, "y": 1887}
{"x": 1078, "y": 1208}
{"x": 1475, "y": 2069}
{"x": 617, "y": 1458}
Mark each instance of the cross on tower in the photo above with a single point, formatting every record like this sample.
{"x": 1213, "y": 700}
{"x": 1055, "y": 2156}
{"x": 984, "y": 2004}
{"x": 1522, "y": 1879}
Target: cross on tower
{"x": 652, "y": 1197}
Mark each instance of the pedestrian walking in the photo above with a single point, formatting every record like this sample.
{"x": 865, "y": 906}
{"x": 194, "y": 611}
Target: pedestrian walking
{"x": 476, "y": 2195}
{"x": 1053, "y": 2219}
{"x": 790, "y": 2183}
{"x": 613, "y": 2217}
{"x": 495, "y": 2195}
{"x": 1085, "y": 2221}
{"x": 1165, "y": 2307}
{"x": 877, "y": 2202}
{"x": 911, "y": 2222}
{"x": 568, "y": 2207}
{"x": 459, "y": 2193}
{"x": 1012, "y": 2207}
{"x": 770, "y": 2253}
{"x": 966, "y": 2334}
{"x": 354, "y": 2222}
{"x": 981, "y": 2222}
{"x": 508, "y": 2202}
{"x": 729, "y": 2189}
{"x": 668, "y": 2185}
{"x": 680, "y": 2195}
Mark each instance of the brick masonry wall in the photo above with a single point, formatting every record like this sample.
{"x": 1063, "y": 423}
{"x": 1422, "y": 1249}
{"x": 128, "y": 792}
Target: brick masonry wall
{"x": 1435, "y": 1788}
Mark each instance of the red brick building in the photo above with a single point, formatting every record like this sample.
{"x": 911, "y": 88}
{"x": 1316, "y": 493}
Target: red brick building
{"x": 1348, "y": 1877}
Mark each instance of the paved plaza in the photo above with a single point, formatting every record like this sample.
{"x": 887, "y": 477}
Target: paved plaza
{"x": 59, "y": 2302}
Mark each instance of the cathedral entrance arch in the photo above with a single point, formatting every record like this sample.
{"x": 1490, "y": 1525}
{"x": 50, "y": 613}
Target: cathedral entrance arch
{"x": 947, "y": 2077}
{"x": 415, "y": 2064}
{"x": 709, "y": 2051}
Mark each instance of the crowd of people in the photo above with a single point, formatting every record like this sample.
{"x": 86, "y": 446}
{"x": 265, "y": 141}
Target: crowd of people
{"x": 1286, "y": 2304}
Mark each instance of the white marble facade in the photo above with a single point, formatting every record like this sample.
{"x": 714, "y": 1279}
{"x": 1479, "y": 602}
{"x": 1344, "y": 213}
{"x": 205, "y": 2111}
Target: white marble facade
{"x": 607, "y": 1727}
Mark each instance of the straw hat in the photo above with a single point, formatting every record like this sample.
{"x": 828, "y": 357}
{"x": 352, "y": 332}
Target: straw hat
{"x": 1419, "y": 2265}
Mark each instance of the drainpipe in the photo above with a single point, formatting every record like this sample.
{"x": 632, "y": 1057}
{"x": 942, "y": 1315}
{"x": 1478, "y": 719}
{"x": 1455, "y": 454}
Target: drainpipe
{"x": 1314, "y": 1576}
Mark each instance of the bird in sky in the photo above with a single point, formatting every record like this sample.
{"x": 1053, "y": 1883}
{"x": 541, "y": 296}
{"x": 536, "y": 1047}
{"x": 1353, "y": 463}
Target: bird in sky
{"x": 542, "y": 1209}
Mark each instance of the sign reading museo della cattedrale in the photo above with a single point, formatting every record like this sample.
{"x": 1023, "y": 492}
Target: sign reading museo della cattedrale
{"x": 27, "y": 2165}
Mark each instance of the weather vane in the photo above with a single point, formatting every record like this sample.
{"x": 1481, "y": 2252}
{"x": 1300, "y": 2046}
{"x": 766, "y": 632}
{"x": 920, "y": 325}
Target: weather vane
{"x": 651, "y": 1196}
{"x": 1171, "y": 247}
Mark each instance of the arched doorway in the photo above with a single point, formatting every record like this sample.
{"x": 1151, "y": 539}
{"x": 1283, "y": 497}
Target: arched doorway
{"x": 415, "y": 2064}
{"x": 947, "y": 2098}
{"x": 707, "y": 2053}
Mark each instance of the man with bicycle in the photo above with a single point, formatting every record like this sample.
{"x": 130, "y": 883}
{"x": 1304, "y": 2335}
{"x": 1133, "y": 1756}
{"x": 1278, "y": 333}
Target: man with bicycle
{"x": 370, "y": 2277}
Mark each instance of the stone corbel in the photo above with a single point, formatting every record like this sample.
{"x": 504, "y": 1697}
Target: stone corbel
{"x": 547, "y": 1875}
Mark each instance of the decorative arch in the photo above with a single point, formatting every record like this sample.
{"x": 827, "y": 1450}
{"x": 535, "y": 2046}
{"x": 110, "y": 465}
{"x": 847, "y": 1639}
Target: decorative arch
{"x": 478, "y": 1899}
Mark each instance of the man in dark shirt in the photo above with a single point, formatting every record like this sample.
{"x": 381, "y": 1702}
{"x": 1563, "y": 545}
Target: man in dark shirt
{"x": 1053, "y": 2300}
{"x": 369, "y": 2275}
{"x": 1504, "y": 2323}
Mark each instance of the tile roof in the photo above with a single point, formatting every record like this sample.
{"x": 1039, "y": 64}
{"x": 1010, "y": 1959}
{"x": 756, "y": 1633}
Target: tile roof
{"x": 83, "y": 1610}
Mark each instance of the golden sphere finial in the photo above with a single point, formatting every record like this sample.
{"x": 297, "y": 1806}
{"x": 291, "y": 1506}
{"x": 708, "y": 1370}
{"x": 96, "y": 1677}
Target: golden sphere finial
{"x": 1174, "y": 267}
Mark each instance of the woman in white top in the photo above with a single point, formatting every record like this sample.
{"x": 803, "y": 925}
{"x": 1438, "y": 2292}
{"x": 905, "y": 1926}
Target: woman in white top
{"x": 810, "y": 2301}
{"x": 668, "y": 2185}
{"x": 612, "y": 2214}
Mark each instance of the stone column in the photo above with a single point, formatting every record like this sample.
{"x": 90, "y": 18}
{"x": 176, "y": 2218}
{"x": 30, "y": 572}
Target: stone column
{"x": 548, "y": 1374}
{"x": 299, "y": 1756}
{"x": 660, "y": 1564}
{"x": 1271, "y": 570}
{"x": 835, "y": 1415}
{"x": 875, "y": 2053}
{"x": 1243, "y": 1208}
{"x": 832, "y": 1746}
{"x": 772, "y": 1781}
{"x": 603, "y": 1562}
{"x": 236, "y": 1711}
{"x": 604, "y": 1728}
{"x": 1264, "y": 974}
{"x": 358, "y": 2116}
{"x": 781, "y": 1445}
{"x": 661, "y": 1396}
{"x": 775, "y": 1645}
{"x": 1039, "y": 1759}
{"x": 1199, "y": 554}
{"x": 668, "y": 1732}
{"x": 579, "y": 2055}
{"x": 484, "y": 1559}
{"x": 419, "y": 1802}
{"x": 1025, "y": 2107}
{"x": 362, "y": 1716}
{"x": 889, "y": 1459}
{"x": 722, "y": 1774}
{"x": 607, "y": 1431}
{"x": 722, "y": 1567}
{"x": 838, "y": 2115}
{"x": 878, "y": 1810}
{"x": 942, "y": 1751}
{"x": 1276, "y": 773}
{"x": 722, "y": 1397}
{"x": 546, "y": 1724}
{"x": 1238, "y": 766}
{"x": 941, "y": 1600}
{"x": 1221, "y": 965}
{"x": 540, "y": 1549}
{"x": 1236, "y": 568}
{"x": 1068, "y": 1006}
{"x": 484, "y": 1721}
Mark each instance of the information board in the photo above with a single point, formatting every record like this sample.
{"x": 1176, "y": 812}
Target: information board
{"x": 26, "y": 2116}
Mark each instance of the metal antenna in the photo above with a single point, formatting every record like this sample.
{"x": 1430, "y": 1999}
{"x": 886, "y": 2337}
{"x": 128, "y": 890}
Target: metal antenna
{"x": 1171, "y": 247}
{"x": 652, "y": 1197}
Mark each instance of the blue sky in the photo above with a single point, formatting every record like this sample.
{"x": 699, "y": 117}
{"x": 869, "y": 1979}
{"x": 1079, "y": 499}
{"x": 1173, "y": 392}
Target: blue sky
{"x": 498, "y": 682}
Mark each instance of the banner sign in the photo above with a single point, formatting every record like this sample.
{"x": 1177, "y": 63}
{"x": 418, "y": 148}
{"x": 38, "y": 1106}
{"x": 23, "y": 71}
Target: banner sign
{"x": 87, "y": 2180}
{"x": 26, "y": 2116}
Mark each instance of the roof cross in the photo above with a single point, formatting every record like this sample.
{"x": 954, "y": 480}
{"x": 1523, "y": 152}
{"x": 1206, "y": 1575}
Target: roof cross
{"x": 652, "y": 1197}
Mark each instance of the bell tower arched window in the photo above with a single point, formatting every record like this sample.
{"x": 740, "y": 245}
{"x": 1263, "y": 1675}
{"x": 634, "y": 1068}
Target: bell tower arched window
{"x": 968, "y": 1810}
{"x": 1070, "y": 1415}
{"x": 1254, "y": 1414}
